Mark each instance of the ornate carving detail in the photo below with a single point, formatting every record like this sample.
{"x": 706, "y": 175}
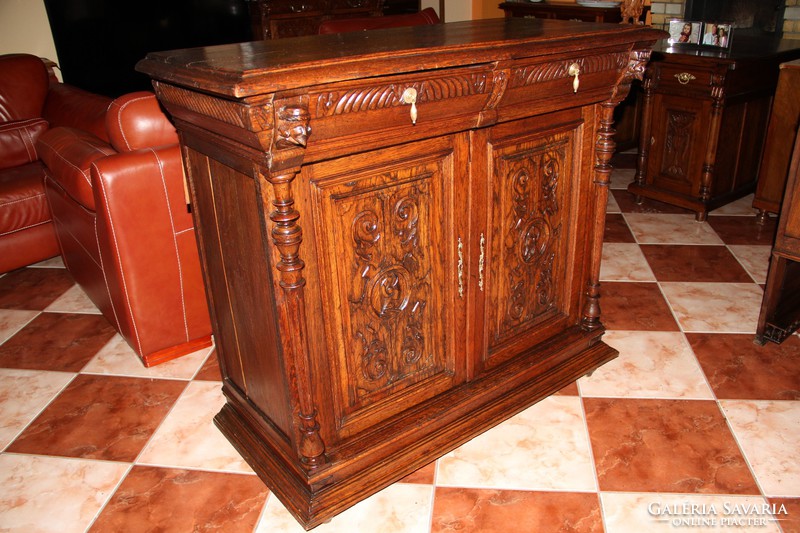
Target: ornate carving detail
{"x": 533, "y": 228}
{"x": 255, "y": 118}
{"x": 542, "y": 72}
{"x": 677, "y": 144}
{"x": 388, "y": 96}
{"x": 390, "y": 286}
{"x": 637, "y": 64}
{"x": 631, "y": 11}
{"x": 292, "y": 128}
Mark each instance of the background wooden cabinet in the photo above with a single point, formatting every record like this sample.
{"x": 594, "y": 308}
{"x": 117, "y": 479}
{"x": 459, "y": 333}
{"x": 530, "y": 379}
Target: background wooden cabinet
{"x": 274, "y": 19}
{"x": 704, "y": 121}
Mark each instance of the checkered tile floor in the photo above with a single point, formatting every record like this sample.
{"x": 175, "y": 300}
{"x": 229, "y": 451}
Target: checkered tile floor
{"x": 693, "y": 427}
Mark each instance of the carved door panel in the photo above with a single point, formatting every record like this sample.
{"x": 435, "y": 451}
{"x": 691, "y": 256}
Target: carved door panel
{"x": 678, "y": 137}
{"x": 386, "y": 228}
{"x": 527, "y": 294}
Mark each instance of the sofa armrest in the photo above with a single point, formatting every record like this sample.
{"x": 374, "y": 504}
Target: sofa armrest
{"x": 75, "y": 108}
{"x": 68, "y": 155}
{"x": 148, "y": 249}
{"x": 18, "y": 141}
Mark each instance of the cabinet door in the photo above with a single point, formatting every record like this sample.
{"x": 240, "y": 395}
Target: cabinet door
{"x": 387, "y": 226}
{"x": 678, "y": 141}
{"x": 530, "y": 290}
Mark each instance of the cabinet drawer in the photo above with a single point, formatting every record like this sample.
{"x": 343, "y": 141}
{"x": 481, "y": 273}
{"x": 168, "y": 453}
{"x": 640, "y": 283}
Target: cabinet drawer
{"x": 548, "y": 85}
{"x": 375, "y": 112}
{"x": 684, "y": 79}
{"x": 354, "y": 5}
{"x": 288, "y": 7}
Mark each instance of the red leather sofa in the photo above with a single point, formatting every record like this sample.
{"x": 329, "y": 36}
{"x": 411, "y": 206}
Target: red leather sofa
{"x": 101, "y": 182}
{"x": 27, "y": 108}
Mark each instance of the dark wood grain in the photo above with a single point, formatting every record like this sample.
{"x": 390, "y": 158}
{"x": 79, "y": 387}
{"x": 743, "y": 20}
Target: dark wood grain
{"x": 383, "y": 289}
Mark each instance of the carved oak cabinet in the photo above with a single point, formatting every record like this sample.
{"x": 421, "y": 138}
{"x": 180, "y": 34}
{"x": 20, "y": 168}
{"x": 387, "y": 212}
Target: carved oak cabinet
{"x": 401, "y": 234}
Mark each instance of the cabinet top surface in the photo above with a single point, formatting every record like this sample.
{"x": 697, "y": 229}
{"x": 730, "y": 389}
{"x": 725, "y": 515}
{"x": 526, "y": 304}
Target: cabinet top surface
{"x": 742, "y": 48}
{"x": 260, "y": 67}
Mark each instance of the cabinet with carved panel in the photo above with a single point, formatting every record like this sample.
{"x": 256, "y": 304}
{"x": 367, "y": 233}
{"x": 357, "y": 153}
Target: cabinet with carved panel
{"x": 401, "y": 235}
{"x": 704, "y": 122}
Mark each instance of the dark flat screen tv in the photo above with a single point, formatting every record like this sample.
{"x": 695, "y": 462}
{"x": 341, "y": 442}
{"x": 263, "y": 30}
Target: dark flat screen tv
{"x": 749, "y": 17}
{"x": 100, "y": 41}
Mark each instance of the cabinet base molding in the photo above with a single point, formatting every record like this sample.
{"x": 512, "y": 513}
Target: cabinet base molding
{"x": 451, "y": 420}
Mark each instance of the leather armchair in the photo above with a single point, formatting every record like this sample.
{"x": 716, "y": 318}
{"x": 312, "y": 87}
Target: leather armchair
{"x": 126, "y": 234}
{"x": 26, "y": 227}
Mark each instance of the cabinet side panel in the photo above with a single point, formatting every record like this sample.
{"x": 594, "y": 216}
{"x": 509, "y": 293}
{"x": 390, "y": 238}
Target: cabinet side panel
{"x": 238, "y": 272}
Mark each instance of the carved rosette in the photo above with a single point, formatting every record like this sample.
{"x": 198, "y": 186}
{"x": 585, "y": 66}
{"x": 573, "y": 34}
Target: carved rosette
{"x": 390, "y": 289}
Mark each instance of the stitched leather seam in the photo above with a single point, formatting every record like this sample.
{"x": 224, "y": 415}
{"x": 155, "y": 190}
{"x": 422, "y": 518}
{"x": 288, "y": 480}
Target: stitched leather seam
{"x": 26, "y": 227}
{"x": 119, "y": 119}
{"x": 29, "y": 198}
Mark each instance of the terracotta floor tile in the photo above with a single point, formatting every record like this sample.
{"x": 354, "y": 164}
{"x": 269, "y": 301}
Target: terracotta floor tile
{"x": 33, "y": 288}
{"x": 790, "y": 520}
{"x": 549, "y": 439}
{"x": 56, "y": 341}
{"x": 171, "y": 500}
{"x": 754, "y": 258}
{"x": 694, "y": 263}
{"x": 767, "y": 432}
{"x": 617, "y": 229}
{"x": 627, "y": 203}
{"x": 738, "y": 369}
{"x": 118, "y": 358}
{"x": 650, "y": 228}
{"x": 715, "y": 307}
{"x": 53, "y": 494}
{"x": 23, "y": 395}
{"x": 635, "y": 306}
{"x": 624, "y": 262}
{"x": 651, "y": 364}
{"x": 210, "y": 369}
{"x": 424, "y": 475}
{"x": 12, "y": 320}
{"x": 502, "y": 511}
{"x": 399, "y": 508}
{"x": 743, "y": 230}
{"x": 100, "y": 417}
{"x": 679, "y": 446}
{"x": 188, "y": 437}
{"x": 670, "y": 513}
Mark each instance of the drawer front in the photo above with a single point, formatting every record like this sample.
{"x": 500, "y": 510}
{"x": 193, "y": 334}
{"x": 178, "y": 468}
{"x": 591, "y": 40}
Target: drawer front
{"x": 379, "y": 112}
{"x": 297, "y": 7}
{"x": 683, "y": 79}
{"x": 353, "y": 5}
{"x": 545, "y": 86}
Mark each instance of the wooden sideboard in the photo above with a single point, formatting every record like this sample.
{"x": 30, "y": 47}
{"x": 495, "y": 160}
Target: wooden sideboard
{"x": 401, "y": 235}
{"x": 565, "y": 11}
{"x": 783, "y": 122}
{"x": 704, "y": 121}
{"x": 780, "y": 308}
{"x": 274, "y": 19}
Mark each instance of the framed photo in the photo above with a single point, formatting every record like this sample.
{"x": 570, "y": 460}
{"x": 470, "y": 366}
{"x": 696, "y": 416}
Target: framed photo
{"x": 717, "y": 34}
{"x": 684, "y": 32}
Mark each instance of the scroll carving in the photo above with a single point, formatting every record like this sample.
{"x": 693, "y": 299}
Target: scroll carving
{"x": 532, "y": 235}
{"x": 677, "y": 144}
{"x": 389, "y": 284}
{"x": 388, "y": 96}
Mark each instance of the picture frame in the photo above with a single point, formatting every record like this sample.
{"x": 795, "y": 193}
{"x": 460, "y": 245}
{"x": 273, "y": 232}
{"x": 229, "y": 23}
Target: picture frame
{"x": 685, "y": 31}
{"x": 717, "y": 34}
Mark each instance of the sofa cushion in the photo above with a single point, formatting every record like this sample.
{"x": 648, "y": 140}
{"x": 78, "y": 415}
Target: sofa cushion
{"x": 22, "y": 201}
{"x": 72, "y": 107}
{"x": 18, "y": 141}
{"x": 135, "y": 121}
{"x": 68, "y": 155}
{"x": 23, "y": 87}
